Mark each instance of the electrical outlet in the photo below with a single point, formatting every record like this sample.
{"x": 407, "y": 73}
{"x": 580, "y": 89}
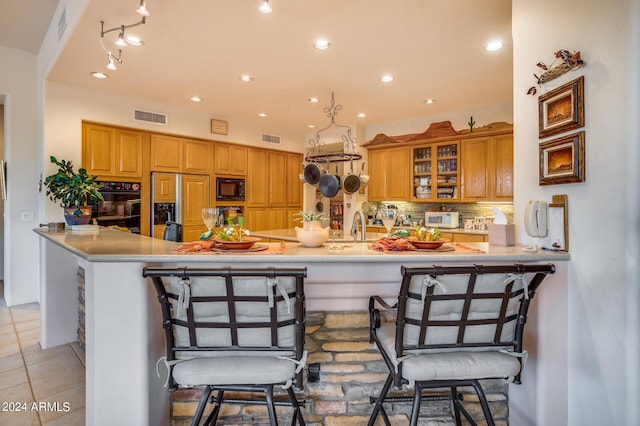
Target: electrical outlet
{"x": 26, "y": 216}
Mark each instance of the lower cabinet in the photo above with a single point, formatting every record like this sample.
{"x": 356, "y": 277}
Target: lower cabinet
{"x": 261, "y": 219}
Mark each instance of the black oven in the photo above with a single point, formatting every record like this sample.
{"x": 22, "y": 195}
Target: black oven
{"x": 121, "y": 205}
{"x": 229, "y": 189}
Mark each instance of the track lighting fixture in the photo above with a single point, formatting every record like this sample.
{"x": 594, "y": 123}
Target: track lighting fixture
{"x": 121, "y": 41}
{"x": 265, "y": 8}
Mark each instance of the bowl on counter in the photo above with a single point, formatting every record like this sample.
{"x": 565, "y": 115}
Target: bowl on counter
{"x": 245, "y": 244}
{"x": 430, "y": 245}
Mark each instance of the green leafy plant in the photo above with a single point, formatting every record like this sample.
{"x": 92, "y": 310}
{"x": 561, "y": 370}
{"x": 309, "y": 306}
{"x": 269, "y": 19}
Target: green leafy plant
{"x": 309, "y": 216}
{"x": 70, "y": 188}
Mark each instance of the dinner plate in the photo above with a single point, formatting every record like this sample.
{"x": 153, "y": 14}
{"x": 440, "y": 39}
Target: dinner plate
{"x": 246, "y": 243}
{"x": 257, "y": 247}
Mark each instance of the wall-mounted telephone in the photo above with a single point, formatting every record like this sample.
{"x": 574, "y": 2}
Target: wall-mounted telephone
{"x": 535, "y": 218}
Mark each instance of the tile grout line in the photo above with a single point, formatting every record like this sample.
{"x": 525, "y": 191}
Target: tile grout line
{"x": 24, "y": 363}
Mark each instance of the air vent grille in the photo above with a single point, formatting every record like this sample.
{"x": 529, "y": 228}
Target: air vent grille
{"x": 150, "y": 117}
{"x": 270, "y": 138}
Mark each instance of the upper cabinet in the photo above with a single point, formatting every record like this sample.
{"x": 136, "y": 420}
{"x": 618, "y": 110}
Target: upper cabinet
{"x": 230, "y": 159}
{"x": 112, "y": 152}
{"x": 443, "y": 164}
{"x": 180, "y": 155}
{"x": 257, "y": 187}
{"x": 435, "y": 172}
{"x": 487, "y": 169}
{"x": 294, "y": 185}
{"x": 389, "y": 174}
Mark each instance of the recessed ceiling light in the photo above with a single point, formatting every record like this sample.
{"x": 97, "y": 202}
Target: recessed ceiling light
{"x": 196, "y": 99}
{"x": 100, "y": 75}
{"x": 362, "y": 115}
{"x": 262, "y": 114}
{"x": 494, "y": 45}
{"x": 322, "y": 44}
{"x": 265, "y": 8}
{"x": 314, "y": 100}
{"x": 311, "y": 126}
{"x": 386, "y": 78}
{"x": 429, "y": 101}
{"x": 133, "y": 40}
{"x": 246, "y": 78}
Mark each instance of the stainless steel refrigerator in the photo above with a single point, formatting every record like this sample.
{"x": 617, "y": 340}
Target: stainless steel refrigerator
{"x": 179, "y": 198}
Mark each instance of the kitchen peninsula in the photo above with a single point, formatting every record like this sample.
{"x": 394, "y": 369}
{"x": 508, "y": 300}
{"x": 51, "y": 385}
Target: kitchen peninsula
{"x": 122, "y": 320}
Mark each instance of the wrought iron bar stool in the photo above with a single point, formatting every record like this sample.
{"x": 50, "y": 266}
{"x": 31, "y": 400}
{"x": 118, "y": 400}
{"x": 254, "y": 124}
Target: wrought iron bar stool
{"x": 454, "y": 326}
{"x": 233, "y": 329}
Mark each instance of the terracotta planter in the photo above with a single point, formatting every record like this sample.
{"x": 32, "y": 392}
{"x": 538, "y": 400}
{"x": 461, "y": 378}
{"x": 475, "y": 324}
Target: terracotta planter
{"x": 74, "y": 215}
{"x": 312, "y": 234}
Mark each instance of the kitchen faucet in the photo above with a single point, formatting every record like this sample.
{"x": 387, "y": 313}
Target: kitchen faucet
{"x": 354, "y": 226}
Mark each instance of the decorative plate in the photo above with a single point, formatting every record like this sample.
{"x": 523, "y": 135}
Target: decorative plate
{"x": 431, "y": 245}
{"x": 246, "y": 243}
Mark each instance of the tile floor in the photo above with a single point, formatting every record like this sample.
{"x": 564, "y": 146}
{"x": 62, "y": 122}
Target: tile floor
{"x": 37, "y": 386}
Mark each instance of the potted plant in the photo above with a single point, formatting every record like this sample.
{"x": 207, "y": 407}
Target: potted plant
{"x": 312, "y": 234}
{"x": 73, "y": 190}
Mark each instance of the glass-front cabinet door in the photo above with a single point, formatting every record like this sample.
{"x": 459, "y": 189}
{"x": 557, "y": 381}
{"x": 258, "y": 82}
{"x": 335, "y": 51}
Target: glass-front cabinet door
{"x": 435, "y": 172}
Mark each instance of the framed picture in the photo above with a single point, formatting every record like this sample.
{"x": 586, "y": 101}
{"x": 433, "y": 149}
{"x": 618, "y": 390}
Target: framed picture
{"x": 220, "y": 127}
{"x": 562, "y": 160}
{"x": 561, "y": 109}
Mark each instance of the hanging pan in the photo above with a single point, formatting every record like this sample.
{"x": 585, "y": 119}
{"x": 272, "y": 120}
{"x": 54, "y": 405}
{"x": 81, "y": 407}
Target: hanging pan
{"x": 351, "y": 182}
{"x": 312, "y": 173}
{"x": 330, "y": 184}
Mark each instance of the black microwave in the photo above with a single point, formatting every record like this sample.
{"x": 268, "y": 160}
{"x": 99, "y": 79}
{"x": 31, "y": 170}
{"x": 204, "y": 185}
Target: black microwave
{"x": 228, "y": 189}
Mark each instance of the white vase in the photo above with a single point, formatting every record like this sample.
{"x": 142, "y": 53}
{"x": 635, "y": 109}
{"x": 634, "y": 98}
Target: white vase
{"x": 312, "y": 234}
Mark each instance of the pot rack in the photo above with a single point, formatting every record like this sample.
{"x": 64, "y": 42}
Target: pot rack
{"x": 349, "y": 141}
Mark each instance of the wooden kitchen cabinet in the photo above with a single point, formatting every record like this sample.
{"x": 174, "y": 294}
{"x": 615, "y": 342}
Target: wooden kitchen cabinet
{"x": 166, "y": 153}
{"x": 468, "y": 238}
{"x": 257, "y": 186}
{"x": 195, "y": 196}
{"x": 277, "y": 178}
{"x": 435, "y": 172}
{"x": 111, "y": 152}
{"x": 230, "y": 159}
{"x": 293, "y": 184}
{"x": 389, "y": 174}
{"x": 263, "y": 218}
{"x": 487, "y": 169}
{"x": 196, "y": 156}
{"x": 164, "y": 188}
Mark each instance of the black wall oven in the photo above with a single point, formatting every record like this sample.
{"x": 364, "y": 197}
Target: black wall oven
{"x": 121, "y": 205}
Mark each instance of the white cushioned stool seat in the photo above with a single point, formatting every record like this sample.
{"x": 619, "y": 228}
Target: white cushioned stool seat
{"x": 256, "y": 370}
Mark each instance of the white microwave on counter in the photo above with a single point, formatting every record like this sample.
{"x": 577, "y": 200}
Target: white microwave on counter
{"x": 442, "y": 219}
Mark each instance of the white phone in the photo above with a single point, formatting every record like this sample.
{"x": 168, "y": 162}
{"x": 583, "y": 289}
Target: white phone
{"x": 535, "y": 218}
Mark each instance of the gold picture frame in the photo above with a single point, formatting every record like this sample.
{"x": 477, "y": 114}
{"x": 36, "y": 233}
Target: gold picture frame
{"x": 561, "y": 109}
{"x": 219, "y": 127}
{"x": 562, "y": 160}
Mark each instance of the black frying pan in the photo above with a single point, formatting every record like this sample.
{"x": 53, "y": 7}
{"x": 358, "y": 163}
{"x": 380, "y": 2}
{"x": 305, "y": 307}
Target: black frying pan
{"x": 312, "y": 173}
{"x": 330, "y": 185}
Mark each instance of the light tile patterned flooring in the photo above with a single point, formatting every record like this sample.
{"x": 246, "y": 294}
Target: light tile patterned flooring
{"x": 37, "y": 386}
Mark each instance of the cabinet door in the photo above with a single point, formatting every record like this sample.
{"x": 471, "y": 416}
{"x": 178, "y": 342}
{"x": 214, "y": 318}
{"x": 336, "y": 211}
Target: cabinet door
{"x": 503, "y": 168}
{"x": 99, "y": 150}
{"x": 256, "y": 219}
{"x": 195, "y": 196}
{"x": 129, "y": 153}
{"x": 467, "y": 238}
{"x": 277, "y": 218}
{"x": 257, "y": 190}
{"x": 398, "y": 172}
{"x": 164, "y": 188}
{"x": 277, "y": 179}
{"x": 294, "y": 186}
{"x": 475, "y": 169}
{"x": 377, "y": 175}
{"x": 230, "y": 159}
{"x": 196, "y": 156}
{"x": 166, "y": 153}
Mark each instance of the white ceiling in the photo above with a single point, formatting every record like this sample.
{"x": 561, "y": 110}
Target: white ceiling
{"x": 434, "y": 49}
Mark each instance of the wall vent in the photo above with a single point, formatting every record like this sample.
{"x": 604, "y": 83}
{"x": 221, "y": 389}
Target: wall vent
{"x": 62, "y": 23}
{"x": 150, "y": 117}
{"x": 270, "y": 138}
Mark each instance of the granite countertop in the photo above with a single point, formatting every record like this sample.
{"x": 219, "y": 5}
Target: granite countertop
{"x": 107, "y": 245}
{"x": 451, "y": 230}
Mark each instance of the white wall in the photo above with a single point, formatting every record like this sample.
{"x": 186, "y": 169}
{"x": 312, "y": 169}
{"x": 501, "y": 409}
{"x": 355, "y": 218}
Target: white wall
{"x": 19, "y": 86}
{"x": 2, "y": 202}
{"x": 600, "y": 218}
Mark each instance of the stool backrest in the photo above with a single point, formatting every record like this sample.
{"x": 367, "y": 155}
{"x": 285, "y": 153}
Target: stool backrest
{"x": 231, "y": 311}
{"x": 465, "y": 306}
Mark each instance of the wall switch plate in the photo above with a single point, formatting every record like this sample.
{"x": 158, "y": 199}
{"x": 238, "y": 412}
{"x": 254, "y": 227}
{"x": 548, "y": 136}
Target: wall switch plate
{"x": 26, "y": 216}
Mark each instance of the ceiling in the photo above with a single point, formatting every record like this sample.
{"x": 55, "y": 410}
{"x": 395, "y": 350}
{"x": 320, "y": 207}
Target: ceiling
{"x": 433, "y": 48}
